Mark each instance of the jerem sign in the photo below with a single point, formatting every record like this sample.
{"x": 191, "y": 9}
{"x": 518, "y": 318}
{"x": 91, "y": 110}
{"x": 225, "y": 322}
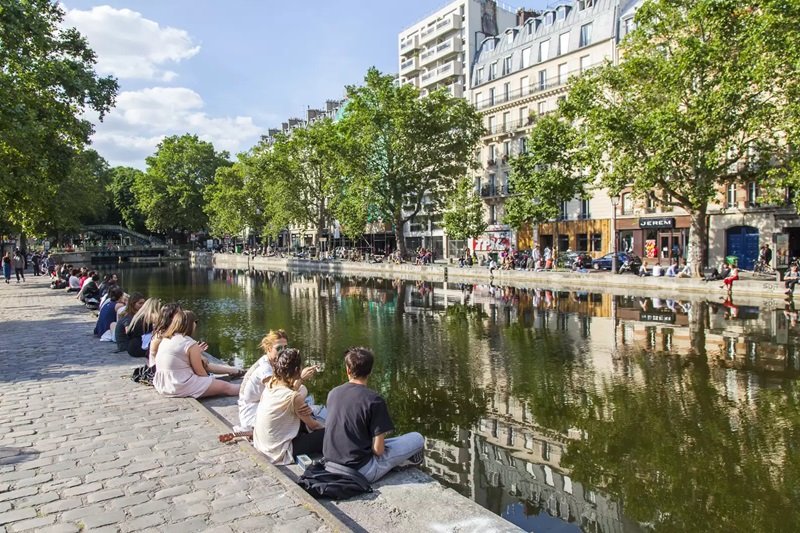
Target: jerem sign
{"x": 657, "y": 223}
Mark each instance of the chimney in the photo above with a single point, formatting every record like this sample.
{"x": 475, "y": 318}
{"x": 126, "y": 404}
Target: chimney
{"x": 525, "y": 14}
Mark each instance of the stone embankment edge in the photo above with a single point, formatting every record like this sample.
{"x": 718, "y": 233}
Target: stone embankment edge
{"x": 758, "y": 288}
{"x": 291, "y": 487}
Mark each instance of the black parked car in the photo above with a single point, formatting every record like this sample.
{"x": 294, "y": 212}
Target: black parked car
{"x": 604, "y": 263}
{"x": 568, "y": 259}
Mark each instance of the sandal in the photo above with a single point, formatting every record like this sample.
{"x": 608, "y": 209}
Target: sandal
{"x": 238, "y": 374}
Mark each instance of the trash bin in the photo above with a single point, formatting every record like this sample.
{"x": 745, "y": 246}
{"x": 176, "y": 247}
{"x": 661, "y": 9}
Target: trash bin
{"x": 732, "y": 260}
{"x": 493, "y": 256}
{"x": 238, "y": 248}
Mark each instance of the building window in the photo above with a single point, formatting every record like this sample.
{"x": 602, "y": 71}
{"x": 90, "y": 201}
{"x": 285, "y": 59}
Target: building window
{"x": 523, "y": 145}
{"x": 506, "y": 120}
{"x": 586, "y": 35}
{"x": 506, "y": 91}
{"x": 583, "y": 242}
{"x": 585, "y": 209}
{"x": 526, "y": 57}
{"x": 563, "y": 215}
{"x": 479, "y": 75}
{"x": 548, "y": 18}
{"x": 542, "y": 80}
{"x": 597, "y": 242}
{"x": 752, "y": 194}
{"x": 563, "y": 242}
{"x": 584, "y": 63}
{"x": 542, "y": 108}
{"x": 507, "y": 149}
{"x": 544, "y": 50}
{"x": 491, "y": 96}
{"x": 507, "y": 67}
{"x": 562, "y": 74}
{"x": 627, "y": 204}
{"x": 561, "y": 13}
{"x": 491, "y": 124}
{"x": 493, "y": 71}
{"x": 524, "y": 86}
{"x": 650, "y": 203}
{"x": 478, "y": 98}
{"x": 491, "y": 153}
{"x": 731, "y": 196}
{"x": 627, "y": 26}
{"x": 523, "y": 116}
{"x": 492, "y": 215}
{"x": 563, "y": 43}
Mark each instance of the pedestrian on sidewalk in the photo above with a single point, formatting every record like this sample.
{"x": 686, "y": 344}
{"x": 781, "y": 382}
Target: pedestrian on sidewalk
{"x": 7, "y": 267}
{"x": 791, "y": 279}
{"x": 19, "y": 265}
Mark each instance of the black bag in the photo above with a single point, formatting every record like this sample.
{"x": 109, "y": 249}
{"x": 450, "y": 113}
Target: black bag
{"x": 144, "y": 374}
{"x": 334, "y": 481}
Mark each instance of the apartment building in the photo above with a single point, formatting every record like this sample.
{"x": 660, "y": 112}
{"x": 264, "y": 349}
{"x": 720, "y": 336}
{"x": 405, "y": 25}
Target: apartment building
{"x": 522, "y": 73}
{"x": 438, "y": 50}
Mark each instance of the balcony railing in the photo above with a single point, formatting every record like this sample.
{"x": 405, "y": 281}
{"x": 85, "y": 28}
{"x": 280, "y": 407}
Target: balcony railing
{"x": 527, "y": 91}
{"x": 510, "y": 126}
{"x": 494, "y": 191}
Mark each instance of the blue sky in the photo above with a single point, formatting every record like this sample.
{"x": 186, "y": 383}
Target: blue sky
{"x": 228, "y": 70}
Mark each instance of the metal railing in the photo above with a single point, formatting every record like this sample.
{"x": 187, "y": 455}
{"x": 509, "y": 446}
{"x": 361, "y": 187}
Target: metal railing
{"x": 522, "y": 92}
{"x": 509, "y": 127}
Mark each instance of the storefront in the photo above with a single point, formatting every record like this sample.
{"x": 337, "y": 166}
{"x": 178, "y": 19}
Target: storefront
{"x": 655, "y": 238}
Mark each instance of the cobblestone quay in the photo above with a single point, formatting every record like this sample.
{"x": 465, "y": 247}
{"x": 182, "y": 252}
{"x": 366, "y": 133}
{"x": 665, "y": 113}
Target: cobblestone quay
{"x": 82, "y": 447}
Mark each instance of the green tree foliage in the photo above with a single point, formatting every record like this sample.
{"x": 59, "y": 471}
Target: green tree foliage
{"x": 697, "y": 94}
{"x": 170, "y": 192}
{"x": 550, "y": 173}
{"x": 463, "y": 215}
{"x": 48, "y": 86}
{"x": 123, "y": 181}
{"x": 306, "y": 166}
{"x": 401, "y": 148}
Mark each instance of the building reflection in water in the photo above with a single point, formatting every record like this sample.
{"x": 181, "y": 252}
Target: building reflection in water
{"x": 558, "y": 409}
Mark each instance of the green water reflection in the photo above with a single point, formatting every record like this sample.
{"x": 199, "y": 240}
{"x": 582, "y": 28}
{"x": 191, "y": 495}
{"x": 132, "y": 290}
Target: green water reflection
{"x": 557, "y": 410}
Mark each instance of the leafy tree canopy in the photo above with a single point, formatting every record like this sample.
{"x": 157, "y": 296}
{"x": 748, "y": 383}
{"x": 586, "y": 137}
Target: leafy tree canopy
{"x": 170, "y": 193}
{"x": 696, "y": 94}
{"x": 123, "y": 181}
{"x": 402, "y": 147}
{"x": 48, "y": 87}
{"x": 463, "y": 215}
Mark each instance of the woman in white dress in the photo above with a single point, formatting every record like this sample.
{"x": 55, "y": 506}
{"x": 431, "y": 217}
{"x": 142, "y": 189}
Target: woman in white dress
{"x": 180, "y": 370}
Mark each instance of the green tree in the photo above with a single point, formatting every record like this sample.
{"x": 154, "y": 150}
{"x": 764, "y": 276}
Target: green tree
{"x": 697, "y": 102}
{"x": 463, "y": 214}
{"x": 48, "y": 87}
{"x": 550, "y": 173}
{"x": 403, "y": 150}
{"x": 123, "y": 181}
{"x": 170, "y": 192}
{"x": 306, "y": 166}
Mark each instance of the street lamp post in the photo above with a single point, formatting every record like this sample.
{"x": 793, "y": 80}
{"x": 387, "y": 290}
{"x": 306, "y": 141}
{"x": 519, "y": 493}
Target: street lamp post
{"x": 614, "y": 203}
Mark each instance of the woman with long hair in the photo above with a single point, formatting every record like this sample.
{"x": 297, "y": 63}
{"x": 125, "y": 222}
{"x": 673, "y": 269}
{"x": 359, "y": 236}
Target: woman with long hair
{"x": 180, "y": 369}
{"x": 141, "y": 327}
{"x": 165, "y": 316}
{"x": 135, "y": 302}
{"x": 278, "y": 432}
{"x": 7, "y": 267}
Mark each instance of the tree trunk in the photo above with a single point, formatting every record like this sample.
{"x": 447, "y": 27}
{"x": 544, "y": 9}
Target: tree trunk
{"x": 698, "y": 243}
{"x": 398, "y": 235}
{"x": 698, "y": 317}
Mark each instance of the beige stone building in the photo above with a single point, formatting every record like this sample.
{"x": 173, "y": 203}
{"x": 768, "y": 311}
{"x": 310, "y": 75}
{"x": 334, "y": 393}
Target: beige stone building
{"x": 523, "y": 73}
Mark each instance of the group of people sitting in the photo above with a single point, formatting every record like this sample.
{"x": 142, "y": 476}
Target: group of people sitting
{"x": 674, "y": 270}
{"x": 275, "y": 408}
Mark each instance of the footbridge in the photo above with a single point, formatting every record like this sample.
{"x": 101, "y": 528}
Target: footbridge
{"x": 117, "y": 244}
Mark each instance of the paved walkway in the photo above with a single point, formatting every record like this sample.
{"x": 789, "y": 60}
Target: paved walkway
{"x": 82, "y": 447}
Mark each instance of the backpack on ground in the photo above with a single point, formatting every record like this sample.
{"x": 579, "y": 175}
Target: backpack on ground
{"x": 333, "y": 481}
{"x": 144, "y": 374}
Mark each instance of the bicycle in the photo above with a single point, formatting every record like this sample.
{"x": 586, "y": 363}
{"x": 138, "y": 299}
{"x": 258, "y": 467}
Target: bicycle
{"x": 762, "y": 267}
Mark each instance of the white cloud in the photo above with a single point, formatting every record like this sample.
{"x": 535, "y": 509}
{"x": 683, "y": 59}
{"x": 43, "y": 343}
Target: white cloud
{"x": 142, "y": 118}
{"x": 130, "y": 46}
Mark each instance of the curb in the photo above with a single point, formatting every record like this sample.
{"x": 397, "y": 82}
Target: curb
{"x": 291, "y": 487}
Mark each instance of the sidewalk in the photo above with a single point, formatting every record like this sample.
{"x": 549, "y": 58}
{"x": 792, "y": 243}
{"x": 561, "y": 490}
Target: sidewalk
{"x": 82, "y": 447}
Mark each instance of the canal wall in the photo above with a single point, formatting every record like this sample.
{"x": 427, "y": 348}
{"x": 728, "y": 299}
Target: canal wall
{"x": 591, "y": 281}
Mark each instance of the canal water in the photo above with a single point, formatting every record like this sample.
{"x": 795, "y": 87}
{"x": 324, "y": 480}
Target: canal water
{"x": 560, "y": 411}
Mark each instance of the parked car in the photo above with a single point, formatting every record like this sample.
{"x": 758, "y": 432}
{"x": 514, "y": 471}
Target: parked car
{"x": 567, "y": 259}
{"x": 604, "y": 263}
